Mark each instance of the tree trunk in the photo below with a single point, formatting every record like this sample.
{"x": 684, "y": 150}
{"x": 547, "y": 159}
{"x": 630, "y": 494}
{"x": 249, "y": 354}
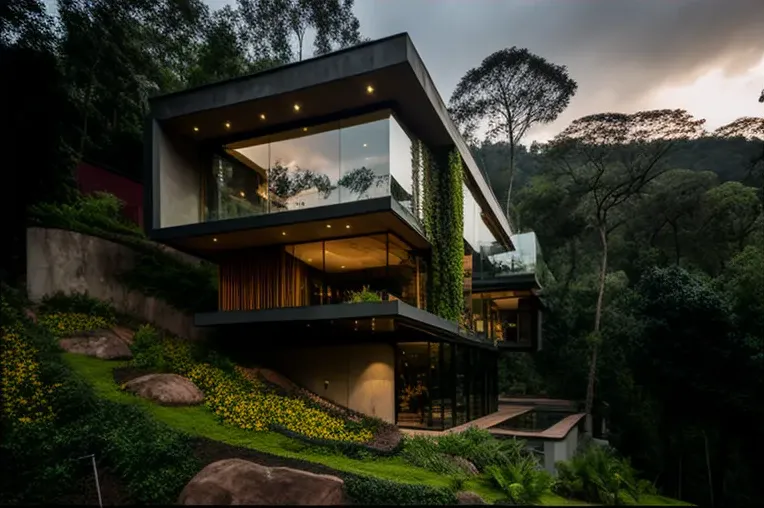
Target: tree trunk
{"x": 595, "y": 345}
{"x": 708, "y": 467}
{"x": 511, "y": 177}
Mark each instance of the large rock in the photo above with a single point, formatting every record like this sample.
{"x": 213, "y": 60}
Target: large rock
{"x": 465, "y": 465}
{"x": 105, "y": 345}
{"x": 468, "y": 497}
{"x": 167, "y": 389}
{"x": 236, "y": 481}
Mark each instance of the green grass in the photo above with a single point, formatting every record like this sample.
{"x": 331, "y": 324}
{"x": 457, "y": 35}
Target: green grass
{"x": 199, "y": 421}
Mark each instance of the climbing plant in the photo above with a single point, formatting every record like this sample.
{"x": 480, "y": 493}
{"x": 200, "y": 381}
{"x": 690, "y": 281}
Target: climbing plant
{"x": 442, "y": 204}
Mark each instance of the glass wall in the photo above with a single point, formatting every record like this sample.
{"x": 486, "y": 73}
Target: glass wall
{"x": 440, "y": 385}
{"x": 359, "y": 158}
{"x": 363, "y": 268}
{"x": 495, "y": 261}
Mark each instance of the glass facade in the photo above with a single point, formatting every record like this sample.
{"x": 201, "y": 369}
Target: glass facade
{"x": 441, "y": 385}
{"x": 492, "y": 260}
{"x": 362, "y": 268}
{"x": 349, "y": 160}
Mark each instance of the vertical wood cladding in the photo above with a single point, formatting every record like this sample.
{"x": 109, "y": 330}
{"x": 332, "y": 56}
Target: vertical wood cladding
{"x": 263, "y": 279}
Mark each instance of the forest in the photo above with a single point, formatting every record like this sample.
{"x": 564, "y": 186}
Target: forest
{"x": 651, "y": 224}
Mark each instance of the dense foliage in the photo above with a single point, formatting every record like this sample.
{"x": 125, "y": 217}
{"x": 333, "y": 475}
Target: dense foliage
{"x": 50, "y": 419}
{"x": 375, "y": 491}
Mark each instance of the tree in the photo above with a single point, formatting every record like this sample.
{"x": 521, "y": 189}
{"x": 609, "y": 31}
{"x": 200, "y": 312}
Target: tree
{"x": 608, "y": 159}
{"x": 512, "y": 90}
{"x": 276, "y": 29}
{"x": 749, "y": 127}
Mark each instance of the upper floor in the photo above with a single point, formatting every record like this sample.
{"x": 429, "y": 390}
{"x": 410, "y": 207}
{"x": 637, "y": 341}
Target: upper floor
{"x": 318, "y": 150}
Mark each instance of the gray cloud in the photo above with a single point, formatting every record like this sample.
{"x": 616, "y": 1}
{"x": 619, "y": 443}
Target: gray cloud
{"x": 619, "y": 51}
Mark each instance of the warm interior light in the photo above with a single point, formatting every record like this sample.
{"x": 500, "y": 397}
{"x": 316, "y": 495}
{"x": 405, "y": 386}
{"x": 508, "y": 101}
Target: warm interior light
{"x": 297, "y": 107}
{"x": 347, "y": 226}
{"x": 369, "y": 89}
{"x": 262, "y": 116}
{"x": 343, "y": 266}
{"x": 214, "y": 239}
{"x": 242, "y": 194}
{"x": 196, "y": 129}
{"x": 304, "y": 129}
{"x": 228, "y": 125}
{"x": 310, "y": 260}
{"x": 329, "y": 226}
{"x": 283, "y": 233}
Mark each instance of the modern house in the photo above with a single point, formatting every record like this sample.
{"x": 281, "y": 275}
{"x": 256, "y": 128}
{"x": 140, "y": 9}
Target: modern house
{"x": 346, "y": 216}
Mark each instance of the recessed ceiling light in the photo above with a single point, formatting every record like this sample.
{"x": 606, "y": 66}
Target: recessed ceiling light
{"x": 297, "y": 107}
{"x": 304, "y": 129}
{"x": 262, "y": 116}
{"x": 365, "y": 145}
{"x": 228, "y": 125}
{"x": 329, "y": 226}
{"x": 214, "y": 239}
{"x": 369, "y": 89}
{"x": 242, "y": 194}
{"x": 310, "y": 260}
{"x": 343, "y": 266}
{"x": 283, "y": 233}
{"x": 196, "y": 129}
{"x": 347, "y": 226}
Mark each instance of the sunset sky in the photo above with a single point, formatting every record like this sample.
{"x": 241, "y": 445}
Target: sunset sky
{"x": 706, "y": 56}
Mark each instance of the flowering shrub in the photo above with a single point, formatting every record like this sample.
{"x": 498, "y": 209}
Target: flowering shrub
{"x": 63, "y": 324}
{"x": 25, "y": 396}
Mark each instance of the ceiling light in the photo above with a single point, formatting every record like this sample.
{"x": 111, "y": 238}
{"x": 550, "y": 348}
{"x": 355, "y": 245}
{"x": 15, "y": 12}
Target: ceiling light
{"x": 228, "y": 125}
{"x": 310, "y": 260}
{"x": 196, "y": 129}
{"x": 283, "y": 233}
{"x": 297, "y": 107}
{"x": 329, "y": 226}
{"x": 365, "y": 145}
{"x": 262, "y": 116}
{"x": 242, "y": 194}
{"x": 343, "y": 266}
{"x": 304, "y": 129}
{"x": 214, "y": 239}
{"x": 369, "y": 89}
{"x": 347, "y": 226}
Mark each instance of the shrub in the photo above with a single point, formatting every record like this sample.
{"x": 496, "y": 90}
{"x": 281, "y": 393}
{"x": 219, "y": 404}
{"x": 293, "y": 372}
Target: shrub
{"x": 423, "y": 451}
{"x": 596, "y": 474}
{"x": 67, "y": 324}
{"x": 77, "y": 303}
{"x": 481, "y": 448}
{"x": 147, "y": 349}
{"x": 523, "y": 481}
{"x": 375, "y": 491}
{"x": 364, "y": 295}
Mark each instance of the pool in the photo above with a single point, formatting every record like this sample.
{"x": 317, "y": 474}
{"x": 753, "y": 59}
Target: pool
{"x": 535, "y": 420}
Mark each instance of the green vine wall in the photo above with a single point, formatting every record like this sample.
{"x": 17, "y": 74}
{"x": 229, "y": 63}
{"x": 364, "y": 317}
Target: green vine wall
{"x": 442, "y": 206}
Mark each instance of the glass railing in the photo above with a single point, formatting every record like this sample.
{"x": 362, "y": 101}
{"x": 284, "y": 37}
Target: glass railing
{"x": 494, "y": 261}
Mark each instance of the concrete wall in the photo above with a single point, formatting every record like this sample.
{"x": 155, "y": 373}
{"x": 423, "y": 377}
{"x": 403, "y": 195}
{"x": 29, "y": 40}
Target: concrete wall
{"x": 180, "y": 176}
{"x": 360, "y": 376}
{"x": 59, "y": 260}
{"x": 558, "y": 450}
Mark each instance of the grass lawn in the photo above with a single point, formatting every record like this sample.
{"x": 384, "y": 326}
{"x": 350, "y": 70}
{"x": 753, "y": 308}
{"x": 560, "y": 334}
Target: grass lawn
{"x": 199, "y": 421}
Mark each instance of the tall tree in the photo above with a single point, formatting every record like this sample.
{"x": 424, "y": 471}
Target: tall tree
{"x": 277, "y": 29}
{"x": 512, "y": 90}
{"x": 608, "y": 159}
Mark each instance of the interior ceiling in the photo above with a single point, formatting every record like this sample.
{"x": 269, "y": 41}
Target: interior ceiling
{"x": 210, "y": 246}
{"x": 347, "y": 255}
{"x": 507, "y": 303}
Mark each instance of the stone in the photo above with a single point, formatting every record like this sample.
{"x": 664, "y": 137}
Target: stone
{"x": 468, "y": 497}
{"x": 125, "y": 334}
{"x": 104, "y": 345}
{"x": 465, "y": 465}
{"x": 236, "y": 481}
{"x": 166, "y": 389}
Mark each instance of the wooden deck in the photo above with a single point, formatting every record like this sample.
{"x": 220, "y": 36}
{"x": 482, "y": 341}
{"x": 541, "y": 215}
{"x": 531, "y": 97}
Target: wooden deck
{"x": 486, "y": 422}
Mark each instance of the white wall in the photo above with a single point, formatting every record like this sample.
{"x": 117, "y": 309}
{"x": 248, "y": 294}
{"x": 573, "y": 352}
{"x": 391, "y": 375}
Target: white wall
{"x": 360, "y": 376}
{"x": 179, "y": 166}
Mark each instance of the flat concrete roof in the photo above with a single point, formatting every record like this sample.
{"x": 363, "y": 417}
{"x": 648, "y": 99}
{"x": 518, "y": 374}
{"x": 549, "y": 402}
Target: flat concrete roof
{"x": 323, "y": 87}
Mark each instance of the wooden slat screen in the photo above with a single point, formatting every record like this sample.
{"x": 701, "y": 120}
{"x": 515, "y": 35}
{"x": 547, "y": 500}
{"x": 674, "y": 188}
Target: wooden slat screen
{"x": 265, "y": 278}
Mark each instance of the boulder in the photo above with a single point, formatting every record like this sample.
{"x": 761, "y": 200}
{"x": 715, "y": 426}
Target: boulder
{"x": 465, "y": 465}
{"x": 166, "y": 389}
{"x": 125, "y": 334}
{"x": 105, "y": 345}
{"x": 469, "y": 498}
{"x": 236, "y": 481}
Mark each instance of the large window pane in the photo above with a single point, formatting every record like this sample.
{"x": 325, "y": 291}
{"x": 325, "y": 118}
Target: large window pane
{"x": 471, "y": 218}
{"x": 234, "y": 189}
{"x": 364, "y": 158}
{"x": 404, "y": 278}
{"x": 305, "y": 168}
{"x": 413, "y": 397}
{"x": 462, "y": 389}
{"x": 436, "y": 387}
{"x": 401, "y": 181}
{"x": 354, "y": 264}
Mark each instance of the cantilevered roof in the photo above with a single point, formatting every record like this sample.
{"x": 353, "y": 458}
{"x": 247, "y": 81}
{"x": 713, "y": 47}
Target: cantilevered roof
{"x": 383, "y": 73}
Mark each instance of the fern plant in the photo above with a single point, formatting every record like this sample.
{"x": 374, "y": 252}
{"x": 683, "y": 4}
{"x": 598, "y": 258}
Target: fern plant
{"x": 596, "y": 474}
{"x": 523, "y": 481}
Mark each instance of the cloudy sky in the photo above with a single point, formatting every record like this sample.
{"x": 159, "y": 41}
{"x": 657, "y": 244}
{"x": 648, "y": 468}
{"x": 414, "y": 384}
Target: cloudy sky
{"x": 706, "y": 56}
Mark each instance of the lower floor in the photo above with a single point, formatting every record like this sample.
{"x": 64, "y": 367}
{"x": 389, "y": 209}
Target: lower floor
{"x": 427, "y": 385}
